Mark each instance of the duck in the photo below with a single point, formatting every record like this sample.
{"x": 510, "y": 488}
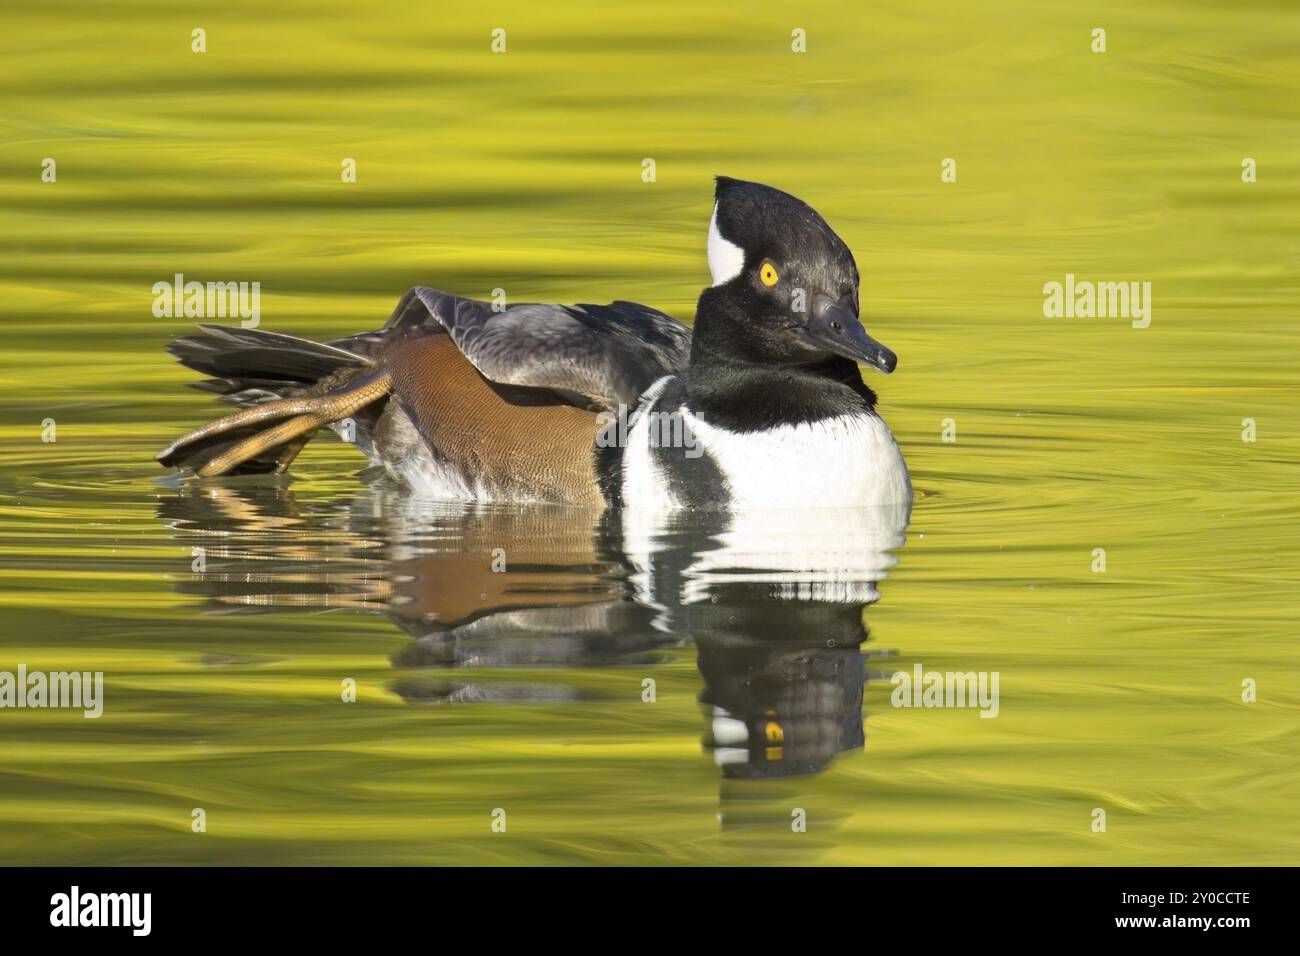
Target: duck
{"x": 761, "y": 403}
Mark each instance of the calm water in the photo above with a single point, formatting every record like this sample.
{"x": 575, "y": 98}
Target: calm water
{"x": 523, "y": 689}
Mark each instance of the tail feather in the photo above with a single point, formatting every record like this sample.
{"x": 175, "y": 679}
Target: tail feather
{"x": 238, "y": 358}
{"x": 314, "y": 382}
{"x": 242, "y": 392}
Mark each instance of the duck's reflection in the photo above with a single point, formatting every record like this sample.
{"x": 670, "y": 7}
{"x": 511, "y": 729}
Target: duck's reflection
{"x": 772, "y": 601}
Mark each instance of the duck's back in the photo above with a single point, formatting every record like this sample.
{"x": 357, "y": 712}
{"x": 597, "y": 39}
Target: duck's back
{"x": 504, "y": 404}
{"x": 593, "y": 356}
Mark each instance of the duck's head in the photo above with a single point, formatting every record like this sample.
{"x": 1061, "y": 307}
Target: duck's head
{"x": 785, "y": 286}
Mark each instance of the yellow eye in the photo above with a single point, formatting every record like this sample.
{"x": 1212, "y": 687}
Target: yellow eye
{"x": 768, "y": 274}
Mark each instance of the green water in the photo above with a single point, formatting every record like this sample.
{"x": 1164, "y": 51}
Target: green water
{"x": 1120, "y": 691}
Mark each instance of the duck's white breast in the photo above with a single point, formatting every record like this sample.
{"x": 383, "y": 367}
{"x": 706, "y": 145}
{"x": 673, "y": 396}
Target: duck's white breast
{"x": 836, "y": 462}
{"x": 839, "y": 462}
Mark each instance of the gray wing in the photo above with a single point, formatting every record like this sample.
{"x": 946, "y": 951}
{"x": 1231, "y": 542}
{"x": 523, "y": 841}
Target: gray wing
{"x": 599, "y": 355}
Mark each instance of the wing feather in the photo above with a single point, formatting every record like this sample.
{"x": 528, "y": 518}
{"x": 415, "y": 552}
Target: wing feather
{"x": 606, "y": 354}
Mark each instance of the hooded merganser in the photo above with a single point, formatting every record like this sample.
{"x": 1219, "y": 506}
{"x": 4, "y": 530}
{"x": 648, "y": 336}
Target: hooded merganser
{"x": 617, "y": 404}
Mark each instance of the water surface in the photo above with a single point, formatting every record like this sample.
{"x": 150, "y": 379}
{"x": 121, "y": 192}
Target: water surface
{"x": 524, "y": 689}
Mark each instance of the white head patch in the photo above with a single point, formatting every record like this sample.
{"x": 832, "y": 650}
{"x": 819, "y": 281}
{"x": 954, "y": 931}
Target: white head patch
{"x": 726, "y": 259}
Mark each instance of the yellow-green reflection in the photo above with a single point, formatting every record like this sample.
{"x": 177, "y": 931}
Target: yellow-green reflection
{"x": 523, "y": 171}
